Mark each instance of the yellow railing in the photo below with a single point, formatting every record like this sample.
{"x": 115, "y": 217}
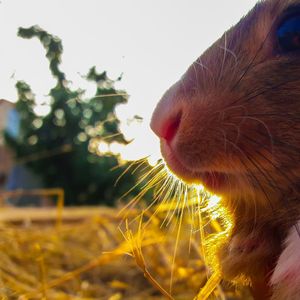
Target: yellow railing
{"x": 58, "y": 192}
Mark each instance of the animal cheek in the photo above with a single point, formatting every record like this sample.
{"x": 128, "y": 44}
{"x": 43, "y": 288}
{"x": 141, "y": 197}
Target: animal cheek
{"x": 194, "y": 151}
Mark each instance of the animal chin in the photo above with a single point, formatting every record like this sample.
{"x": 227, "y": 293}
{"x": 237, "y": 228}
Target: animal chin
{"x": 216, "y": 182}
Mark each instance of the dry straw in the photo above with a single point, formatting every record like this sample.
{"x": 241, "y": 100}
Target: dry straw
{"x": 151, "y": 254}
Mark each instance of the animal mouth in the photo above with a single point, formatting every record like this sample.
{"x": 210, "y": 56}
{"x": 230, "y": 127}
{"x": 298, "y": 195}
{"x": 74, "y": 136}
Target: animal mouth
{"x": 212, "y": 180}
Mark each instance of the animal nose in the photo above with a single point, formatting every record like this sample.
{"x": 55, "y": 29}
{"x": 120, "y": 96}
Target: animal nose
{"x": 171, "y": 127}
{"x": 166, "y": 126}
{"x": 167, "y": 116}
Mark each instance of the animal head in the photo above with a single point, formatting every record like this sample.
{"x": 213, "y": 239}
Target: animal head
{"x": 232, "y": 121}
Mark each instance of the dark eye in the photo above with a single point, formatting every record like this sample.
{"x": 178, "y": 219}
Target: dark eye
{"x": 288, "y": 34}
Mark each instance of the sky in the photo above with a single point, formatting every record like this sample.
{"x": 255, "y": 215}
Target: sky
{"x": 150, "y": 42}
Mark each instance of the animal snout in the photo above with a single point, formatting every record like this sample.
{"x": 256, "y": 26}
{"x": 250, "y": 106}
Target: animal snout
{"x": 167, "y": 116}
{"x": 165, "y": 124}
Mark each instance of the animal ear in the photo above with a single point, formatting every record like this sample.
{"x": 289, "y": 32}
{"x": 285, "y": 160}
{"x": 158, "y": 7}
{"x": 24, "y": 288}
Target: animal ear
{"x": 285, "y": 280}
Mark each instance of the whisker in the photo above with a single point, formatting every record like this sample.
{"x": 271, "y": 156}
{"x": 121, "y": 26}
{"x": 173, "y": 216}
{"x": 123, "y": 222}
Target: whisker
{"x": 263, "y": 172}
{"x": 280, "y": 115}
{"x": 205, "y": 70}
{"x": 262, "y": 91}
{"x": 110, "y": 95}
{"x": 177, "y": 243}
{"x": 177, "y": 197}
{"x": 140, "y": 162}
{"x": 251, "y": 173}
{"x": 143, "y": 161}
{"x": 168, "y": 218}
{"x": 106, "y": 137}
{"x": 224, "y": 57}
{"x": 285, "y": 176}
{"x": 164, "y": 187}
{"x": 162, "y": 194}
{"x": 192, "y": 220}
{"x": 201, "y": 227}
{"x": 248, "y": 68}
{"x": 230, "y": 52}
{"x": 264, "y": 125}
{"x": 157, "y": 176}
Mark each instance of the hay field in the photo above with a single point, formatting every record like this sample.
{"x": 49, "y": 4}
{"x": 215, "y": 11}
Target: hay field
{"x": 98, "y": 253}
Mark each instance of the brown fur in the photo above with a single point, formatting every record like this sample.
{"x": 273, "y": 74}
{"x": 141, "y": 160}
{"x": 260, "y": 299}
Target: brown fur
{"x": 239, "y": 107}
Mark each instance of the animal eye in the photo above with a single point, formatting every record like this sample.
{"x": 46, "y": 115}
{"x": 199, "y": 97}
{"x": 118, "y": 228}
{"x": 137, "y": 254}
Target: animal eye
{"x": 288, "y": 34}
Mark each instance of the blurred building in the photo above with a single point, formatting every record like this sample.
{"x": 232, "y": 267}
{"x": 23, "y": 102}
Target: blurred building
{"x": 6, "y": 156}
{"x": 14, "y": 175}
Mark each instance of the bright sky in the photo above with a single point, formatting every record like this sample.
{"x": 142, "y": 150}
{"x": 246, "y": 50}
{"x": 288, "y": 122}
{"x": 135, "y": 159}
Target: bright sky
{"x": 151, "y": 42}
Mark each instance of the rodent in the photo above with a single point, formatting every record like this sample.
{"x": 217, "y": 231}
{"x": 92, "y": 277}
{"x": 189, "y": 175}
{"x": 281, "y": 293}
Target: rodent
{"x": 232, "y": 123}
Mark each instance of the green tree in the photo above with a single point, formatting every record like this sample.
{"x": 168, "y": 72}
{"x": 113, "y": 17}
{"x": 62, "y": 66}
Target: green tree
{"x": 60, "y": 147}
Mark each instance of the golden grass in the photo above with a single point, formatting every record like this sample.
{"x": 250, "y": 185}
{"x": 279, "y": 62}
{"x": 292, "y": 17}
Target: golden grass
{"x": 102, "y": 256}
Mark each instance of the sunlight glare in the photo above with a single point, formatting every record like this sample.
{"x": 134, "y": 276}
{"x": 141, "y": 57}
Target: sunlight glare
{"x": 213, "y": 201}
{"x": 42, "y": 110}
{"x": 198, "y": 188}
{"x": 103, "y": 147}
{"x": 144, "y": 143}
{"x": 148, "y": 69}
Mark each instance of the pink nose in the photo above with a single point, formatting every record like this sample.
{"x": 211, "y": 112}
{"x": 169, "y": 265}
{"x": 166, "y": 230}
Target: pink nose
{"x": 167, "y": 116}
{"x": 170, "y": 128}
{"x": 165, "y": 127}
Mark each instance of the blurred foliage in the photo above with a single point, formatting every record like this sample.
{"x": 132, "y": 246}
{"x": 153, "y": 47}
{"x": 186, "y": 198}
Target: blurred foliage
{"x": 59, "y": 146}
